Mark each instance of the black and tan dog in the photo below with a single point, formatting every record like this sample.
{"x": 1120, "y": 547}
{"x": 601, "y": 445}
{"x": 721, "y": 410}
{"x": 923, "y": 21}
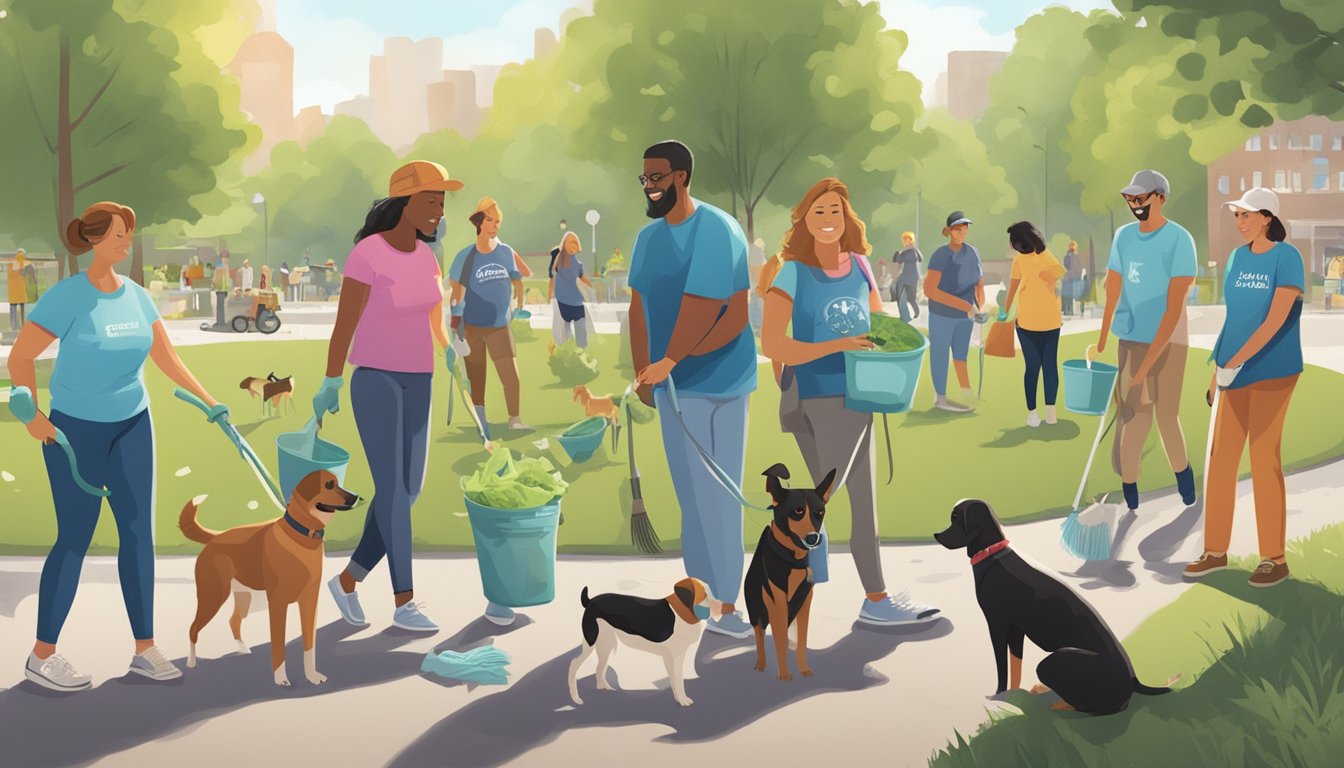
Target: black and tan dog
{"x": 777, "y": 589}
{"x": 668, "y": 627}
{"x": 281, "y": 557}
{"x": 1087, "y": 666}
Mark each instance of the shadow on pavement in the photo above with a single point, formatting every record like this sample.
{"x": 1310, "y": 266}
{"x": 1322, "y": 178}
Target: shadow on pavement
{"x": 42, "y": 728}
{"x": 729, "y": 695}
{"x": 1158, "y": 547}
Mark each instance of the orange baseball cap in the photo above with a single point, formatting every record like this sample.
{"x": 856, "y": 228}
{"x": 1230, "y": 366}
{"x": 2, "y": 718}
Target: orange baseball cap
{"x": 421, "y": 176}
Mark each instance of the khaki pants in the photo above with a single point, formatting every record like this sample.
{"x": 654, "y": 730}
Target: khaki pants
{"x": 1160, "y": 395}
{"x": 498, "y": 344}
{"x": 1256, "y": 411}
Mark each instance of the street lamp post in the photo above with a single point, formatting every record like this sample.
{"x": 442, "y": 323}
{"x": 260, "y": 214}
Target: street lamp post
{"x": 592, "y": 218}
{"x": 257, "y": 199}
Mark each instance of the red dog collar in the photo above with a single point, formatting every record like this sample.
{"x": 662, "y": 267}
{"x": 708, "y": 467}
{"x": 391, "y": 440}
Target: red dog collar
{"x": 987, "y": 551}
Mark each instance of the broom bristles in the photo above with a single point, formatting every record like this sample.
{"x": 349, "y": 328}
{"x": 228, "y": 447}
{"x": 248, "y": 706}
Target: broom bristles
{"x": 642, "y": 534}
{"x": 1088, "y": 535}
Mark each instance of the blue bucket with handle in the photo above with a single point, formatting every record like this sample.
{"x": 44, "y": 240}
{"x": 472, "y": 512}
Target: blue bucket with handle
{"x": 1087, "y": 386}
{"x": 303, "y": 452}
{"x": 515, "y": 550}
{"x": 582, "y": 440}
{"x": 883, "y": 382}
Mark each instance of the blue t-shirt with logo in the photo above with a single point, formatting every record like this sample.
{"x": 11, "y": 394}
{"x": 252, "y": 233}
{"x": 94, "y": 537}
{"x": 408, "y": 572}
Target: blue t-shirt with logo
{"x": 1146, "y": 263}
{"x": 567, "y": 279}
{"x": 825, "y": 308}
{"x": 960, "y": 271}
{"x": 705, "y": 256}
{"x": 105, "y": 338}
{"x": 489, "y": 287}
{"x": 1248, "y": 288}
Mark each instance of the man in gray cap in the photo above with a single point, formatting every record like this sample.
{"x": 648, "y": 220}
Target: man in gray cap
{"x": 1148, "y": 277}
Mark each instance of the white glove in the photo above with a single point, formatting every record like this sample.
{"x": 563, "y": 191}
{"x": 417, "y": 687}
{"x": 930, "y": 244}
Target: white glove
{"x": 1226, "y": 376}
{"x": 460, "y": 345}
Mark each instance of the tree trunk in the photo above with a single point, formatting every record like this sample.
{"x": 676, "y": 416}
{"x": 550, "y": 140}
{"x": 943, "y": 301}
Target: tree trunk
{"x": 65, "y": 184}
{"x": 751, "y": 224}
{"x": 137, "y": 260}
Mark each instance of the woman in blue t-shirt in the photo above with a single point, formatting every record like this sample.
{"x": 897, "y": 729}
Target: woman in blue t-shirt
{"x": 823, "y": 285}
{"x": 955, "y": 285}
{"x": 107, "y": 326}
{"x": 566, "y": 272}
{"x": 1259, "y": 358}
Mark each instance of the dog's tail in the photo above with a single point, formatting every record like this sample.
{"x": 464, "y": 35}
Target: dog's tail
{"x": 192, "y": 529}
{"x": 1148, "y": 690}
{"x": 583, "y": 597}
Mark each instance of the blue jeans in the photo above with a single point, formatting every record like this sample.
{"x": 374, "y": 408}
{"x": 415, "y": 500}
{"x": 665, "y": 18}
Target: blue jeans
{"x": 1040, "y": 351}
{"x": 946, "y": 334}
{"x": 904, "y": 294}
{"x": 711, "y": 518}
{"x": 117, "y": 455}
{"x": 392, "y": 413}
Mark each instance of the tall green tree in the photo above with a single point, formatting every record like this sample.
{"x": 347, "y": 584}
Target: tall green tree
{"x": 97, "y": 112}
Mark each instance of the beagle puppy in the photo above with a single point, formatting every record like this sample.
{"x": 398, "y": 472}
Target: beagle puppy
{"x": 669, "y": 627}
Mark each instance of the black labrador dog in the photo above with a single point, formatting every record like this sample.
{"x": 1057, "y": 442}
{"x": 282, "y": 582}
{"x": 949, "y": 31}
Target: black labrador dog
{"x": 1086, "y": 665}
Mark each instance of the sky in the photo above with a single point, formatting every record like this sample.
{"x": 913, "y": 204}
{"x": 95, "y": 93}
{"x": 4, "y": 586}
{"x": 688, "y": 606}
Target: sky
{"x": 333, "y": 39}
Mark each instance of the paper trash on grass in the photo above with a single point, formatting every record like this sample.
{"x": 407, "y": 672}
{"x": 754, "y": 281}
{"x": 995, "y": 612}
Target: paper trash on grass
{"x": 251, "y": 505}
{"x": 8, "y": 478}
{"x": 183, "y": 472}
{"x": 544, "y": 444}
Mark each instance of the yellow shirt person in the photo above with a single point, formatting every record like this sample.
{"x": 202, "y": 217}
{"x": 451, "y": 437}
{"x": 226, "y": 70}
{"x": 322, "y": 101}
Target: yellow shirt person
{"x": 1037, "y": 304}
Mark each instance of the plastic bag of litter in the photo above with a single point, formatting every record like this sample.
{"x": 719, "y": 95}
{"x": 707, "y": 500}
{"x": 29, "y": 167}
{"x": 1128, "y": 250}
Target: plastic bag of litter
{"x": 484, "y": 666}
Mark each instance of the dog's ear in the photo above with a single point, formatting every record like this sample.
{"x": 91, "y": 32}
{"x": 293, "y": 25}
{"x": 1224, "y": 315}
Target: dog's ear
{"x": 773, "y": 487}
{"x": 685, "y": 592}
{"x": 309, "y": 487}
{"x": 823, "y": 490}
{"x": 978, "y": 517}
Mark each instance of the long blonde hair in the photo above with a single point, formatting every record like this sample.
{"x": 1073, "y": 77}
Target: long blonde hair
{"x": 800, "y": 246}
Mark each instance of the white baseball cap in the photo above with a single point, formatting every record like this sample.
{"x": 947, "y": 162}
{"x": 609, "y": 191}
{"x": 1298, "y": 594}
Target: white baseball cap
{"x": 1257, "y": 199}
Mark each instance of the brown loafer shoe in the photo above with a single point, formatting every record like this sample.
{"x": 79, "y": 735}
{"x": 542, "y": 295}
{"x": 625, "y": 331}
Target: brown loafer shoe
{"x": 1268, "y": 573}
{"x": 1206, "y": 564}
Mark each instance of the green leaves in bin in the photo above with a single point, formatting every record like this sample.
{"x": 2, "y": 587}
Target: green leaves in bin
{"x": 503, "y": 482}
{"x": 639, "y": 412}
{"x": 891, "y": 334}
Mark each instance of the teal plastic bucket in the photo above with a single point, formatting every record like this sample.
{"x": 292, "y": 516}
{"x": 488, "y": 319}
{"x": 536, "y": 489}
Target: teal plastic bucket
{"x": 515, "y": 550}
{"x": 883, "y": 382}
{"x": 1087, "y": 390}
{"x": 297, "y": 463}
{"x": 582, "y": 440}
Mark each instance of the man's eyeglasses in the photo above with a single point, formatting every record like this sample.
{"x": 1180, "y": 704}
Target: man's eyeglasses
{"x": 1138, "y": 199}
{"x": 655, "y": 178}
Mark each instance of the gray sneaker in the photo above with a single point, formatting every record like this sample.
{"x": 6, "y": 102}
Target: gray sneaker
{"x": 943, "y": 403}
{"x": 154, "y": 665}
{"x": 347, "y": 603}
{"x": 409, "y": 617}
{"x": 730, "y": 624}
{"x": 501, "y": 615}
{"x": 895, "y": 611}
{"x": 55, "y": 673}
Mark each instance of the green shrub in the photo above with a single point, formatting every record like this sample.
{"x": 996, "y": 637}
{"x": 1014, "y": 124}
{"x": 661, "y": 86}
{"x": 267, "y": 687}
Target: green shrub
{"x": 573, "y": 366}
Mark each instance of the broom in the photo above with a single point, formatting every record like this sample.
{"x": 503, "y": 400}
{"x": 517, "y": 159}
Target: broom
{"x": 1089, "y": 534}
{"x": 642, "y": 534}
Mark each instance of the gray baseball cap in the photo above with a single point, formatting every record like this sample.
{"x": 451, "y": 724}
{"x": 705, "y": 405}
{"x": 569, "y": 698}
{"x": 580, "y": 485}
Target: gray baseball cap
{"x": 1145, "y": 182}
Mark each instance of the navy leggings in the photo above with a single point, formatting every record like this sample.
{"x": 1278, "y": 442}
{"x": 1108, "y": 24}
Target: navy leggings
{"x": 1040, "y": 350}
{"x": 392, "y": 413}
{"x": 117, "y": 455}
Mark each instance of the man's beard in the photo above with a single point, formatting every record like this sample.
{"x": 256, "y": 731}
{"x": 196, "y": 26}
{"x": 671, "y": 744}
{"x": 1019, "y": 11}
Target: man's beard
{"x": 660, "y": 208}
{"x": 1142, "y": 212}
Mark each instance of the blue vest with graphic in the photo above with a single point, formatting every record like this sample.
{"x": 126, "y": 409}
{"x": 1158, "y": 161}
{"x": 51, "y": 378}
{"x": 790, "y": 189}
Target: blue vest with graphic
{"x": 827, "y": 308}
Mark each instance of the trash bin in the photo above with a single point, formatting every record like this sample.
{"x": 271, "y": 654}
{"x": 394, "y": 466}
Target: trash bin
{"x": 883, "y": 382}
{"x": 296, "y": 462}
{"x": 1088, "y": 388}
{"x": 515, "y": 550}
{"x": 582, "y": 440}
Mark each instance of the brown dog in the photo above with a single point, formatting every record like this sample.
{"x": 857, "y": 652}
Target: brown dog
{"x": 274, "y": 392}
{"x": 593, "y": 405}
{"x": 777, "y": 588}
{"x": 282, "y": 557}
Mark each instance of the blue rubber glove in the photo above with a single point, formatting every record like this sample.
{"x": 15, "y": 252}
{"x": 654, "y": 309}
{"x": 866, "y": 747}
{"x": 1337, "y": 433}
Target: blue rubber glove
{"x": 328, "y": 397}
{"x": 449, "y": 358}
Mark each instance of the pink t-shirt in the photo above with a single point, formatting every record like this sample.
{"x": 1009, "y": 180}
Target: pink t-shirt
{"x": 393, "y": 333}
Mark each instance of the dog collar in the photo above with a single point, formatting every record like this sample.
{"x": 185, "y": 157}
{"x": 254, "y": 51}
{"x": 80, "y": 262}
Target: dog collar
{"x": 304, "y": 532}
{"x": 992, "y": 549}
{"x": 789, "y": 556}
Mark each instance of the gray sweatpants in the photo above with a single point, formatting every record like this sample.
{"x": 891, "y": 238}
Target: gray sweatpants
{"x": 392, "y": 413}
{"x": 826, "y": 438}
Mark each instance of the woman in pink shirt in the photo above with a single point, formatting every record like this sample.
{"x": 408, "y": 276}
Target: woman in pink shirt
{"x": 391, "y": 306}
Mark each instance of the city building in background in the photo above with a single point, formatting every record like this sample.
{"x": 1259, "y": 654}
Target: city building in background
{"x": 967, "y": 82}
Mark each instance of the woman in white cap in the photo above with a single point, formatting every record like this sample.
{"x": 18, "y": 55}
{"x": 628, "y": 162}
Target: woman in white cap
{"x": 391, "y": 308}
{"x": 1259, "y": 358}
{"x": 955, "y": 285}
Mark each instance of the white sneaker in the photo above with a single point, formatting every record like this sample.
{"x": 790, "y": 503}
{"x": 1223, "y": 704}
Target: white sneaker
{"x": 896, "y": 610}
{"x": 943, "y": 403}
{"x": 154, "y": 665}
{"x": 409, "y": 617}
{"x": 1050, "y": 415}
{"x": 55, "y": 673}
{"x": 1032, "y": 419}
{"x": 517, "y": 424}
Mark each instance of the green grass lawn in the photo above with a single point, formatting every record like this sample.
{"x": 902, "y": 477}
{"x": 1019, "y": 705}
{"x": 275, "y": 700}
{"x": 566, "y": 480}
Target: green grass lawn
{"x": 940, "y": 457}
{"x": 1263, "y": 681}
